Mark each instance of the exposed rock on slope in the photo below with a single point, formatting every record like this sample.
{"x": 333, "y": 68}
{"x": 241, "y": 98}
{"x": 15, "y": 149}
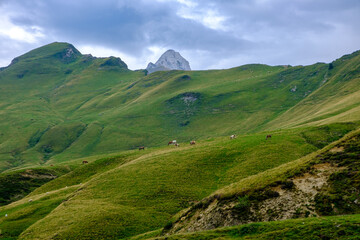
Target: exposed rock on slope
{"x": 329, "y": 186}
{"x": 170, "y": 60}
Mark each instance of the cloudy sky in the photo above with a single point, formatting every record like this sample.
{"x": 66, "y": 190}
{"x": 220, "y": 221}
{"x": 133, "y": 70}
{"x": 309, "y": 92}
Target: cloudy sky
{"x": 208, "y": 33}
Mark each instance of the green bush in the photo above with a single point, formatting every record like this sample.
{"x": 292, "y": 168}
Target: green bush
{"x": 243, "y": 204}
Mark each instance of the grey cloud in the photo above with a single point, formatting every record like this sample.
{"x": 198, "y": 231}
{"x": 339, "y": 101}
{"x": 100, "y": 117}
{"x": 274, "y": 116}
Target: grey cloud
{"x": 276, "y": 31}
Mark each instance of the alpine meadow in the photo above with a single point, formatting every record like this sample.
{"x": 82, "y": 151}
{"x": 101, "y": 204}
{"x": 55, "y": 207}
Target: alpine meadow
{"x": 90, "y": 149}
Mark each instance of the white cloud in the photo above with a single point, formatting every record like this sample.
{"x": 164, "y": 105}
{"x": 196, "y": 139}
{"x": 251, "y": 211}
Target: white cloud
{"x": 154, "y": 53}
{"x": 210, "y": 18}
{"x": 210, "y": 34}
{"x": 188, "y": 3}
{"x": 32, "y": 34}
{"x": 207, "y": 16}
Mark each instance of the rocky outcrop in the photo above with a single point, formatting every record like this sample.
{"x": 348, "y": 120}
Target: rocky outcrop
{"x": 170, "y": 60}
{"x": 329, "y": 185}
{"x": 291, "y": 199}
{"x": 68, "y": 54}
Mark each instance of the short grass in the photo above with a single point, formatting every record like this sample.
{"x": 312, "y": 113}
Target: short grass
{"x": 336, "y": 101}
{"x": 139, "y": 191}
{"x": 337, "y": 227}
{"x": 55, "y": 109}
{"x": 24, "y": 213}
{"x": 57, "y": 112}
{"x": 17, "y": 184}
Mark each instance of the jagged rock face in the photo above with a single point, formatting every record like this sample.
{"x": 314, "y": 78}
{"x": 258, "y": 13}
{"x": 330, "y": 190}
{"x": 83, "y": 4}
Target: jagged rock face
{"x": 68, "y": 54}
{"x": 170, "y": 60}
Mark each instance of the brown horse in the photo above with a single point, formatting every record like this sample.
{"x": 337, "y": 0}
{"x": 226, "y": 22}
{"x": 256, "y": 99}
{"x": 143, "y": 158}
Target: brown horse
{"x": 141, "y": 148}
{"x": 192, "y": 142}
{"x": 84, "y": 162}
{"x": 268, "y": 136}
{"x": 171, "y": 142}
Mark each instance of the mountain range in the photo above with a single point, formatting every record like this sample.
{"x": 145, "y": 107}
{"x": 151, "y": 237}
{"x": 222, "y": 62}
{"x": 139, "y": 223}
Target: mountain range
{"x": 71, "y": 126}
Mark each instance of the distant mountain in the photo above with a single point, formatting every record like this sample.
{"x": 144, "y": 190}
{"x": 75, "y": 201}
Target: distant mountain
{"x": 170, "y": 60}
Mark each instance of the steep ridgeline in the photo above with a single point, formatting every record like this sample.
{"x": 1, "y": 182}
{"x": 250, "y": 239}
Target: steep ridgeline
{"x": 170, "y": 60}
{"x": 57, "y": 104}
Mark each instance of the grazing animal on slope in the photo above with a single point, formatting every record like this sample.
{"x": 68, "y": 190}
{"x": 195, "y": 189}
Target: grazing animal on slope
{"x": 141, "y": 148}
{"x": 268, "y": 136}
{"x": 177, "y": 145}
{"x": 192, "y": 142}
{"x": 233, "y": 136}
{"x": 172, "y": 142}
{"x": 84, "y": 162}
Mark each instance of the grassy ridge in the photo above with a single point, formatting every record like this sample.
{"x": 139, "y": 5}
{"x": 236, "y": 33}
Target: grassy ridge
{"x": 58, "y": 107}
{"x": 338, "y": 227}
{"x": 139, "y": 191}
{"x": 55, "y": 108}
{"x": 17, "y": 184}
{"x": 24, "y": 213}
{"x": 336, "y": 101}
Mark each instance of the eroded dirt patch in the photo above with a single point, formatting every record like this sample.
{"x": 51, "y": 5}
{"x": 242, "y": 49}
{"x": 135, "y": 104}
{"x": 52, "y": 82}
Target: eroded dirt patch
{"x": 337, "y": 149}
{"x": 328, "y": 186}
{"x": 281, "y": 203}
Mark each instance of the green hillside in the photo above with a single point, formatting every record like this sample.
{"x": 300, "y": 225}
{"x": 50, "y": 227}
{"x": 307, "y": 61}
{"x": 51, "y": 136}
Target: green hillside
{"x": 336, "y": 101}
{"x": 139, "y": 191}
{"x": 339, "y": 227}
{"x": 57, "y": 105}
{"x": 59, "y": 108}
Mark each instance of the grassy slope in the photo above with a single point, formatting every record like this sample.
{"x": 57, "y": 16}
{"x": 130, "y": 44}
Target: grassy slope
{"x": 336, "y": 227}
{"x": 63, "y": 109}
{"x": 54, "y": 110}
{"x": 39, "y": 92}
{"x": 17, "y": 184}
{"x": 339, "y": 191}
{"x": 338, "y": 100}
{"x": 139, "y": 191}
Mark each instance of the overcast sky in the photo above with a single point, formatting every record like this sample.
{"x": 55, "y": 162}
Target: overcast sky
{"x": 208, "y": 33}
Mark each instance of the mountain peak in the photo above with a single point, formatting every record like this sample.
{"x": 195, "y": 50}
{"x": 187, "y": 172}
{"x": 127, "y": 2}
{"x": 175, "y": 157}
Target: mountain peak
{"x": 65, "y": 52}
{"x": 169, "y": 60}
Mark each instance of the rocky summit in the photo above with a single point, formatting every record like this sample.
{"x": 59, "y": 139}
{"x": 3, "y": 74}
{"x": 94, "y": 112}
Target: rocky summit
{"x": 170, "y": 60}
